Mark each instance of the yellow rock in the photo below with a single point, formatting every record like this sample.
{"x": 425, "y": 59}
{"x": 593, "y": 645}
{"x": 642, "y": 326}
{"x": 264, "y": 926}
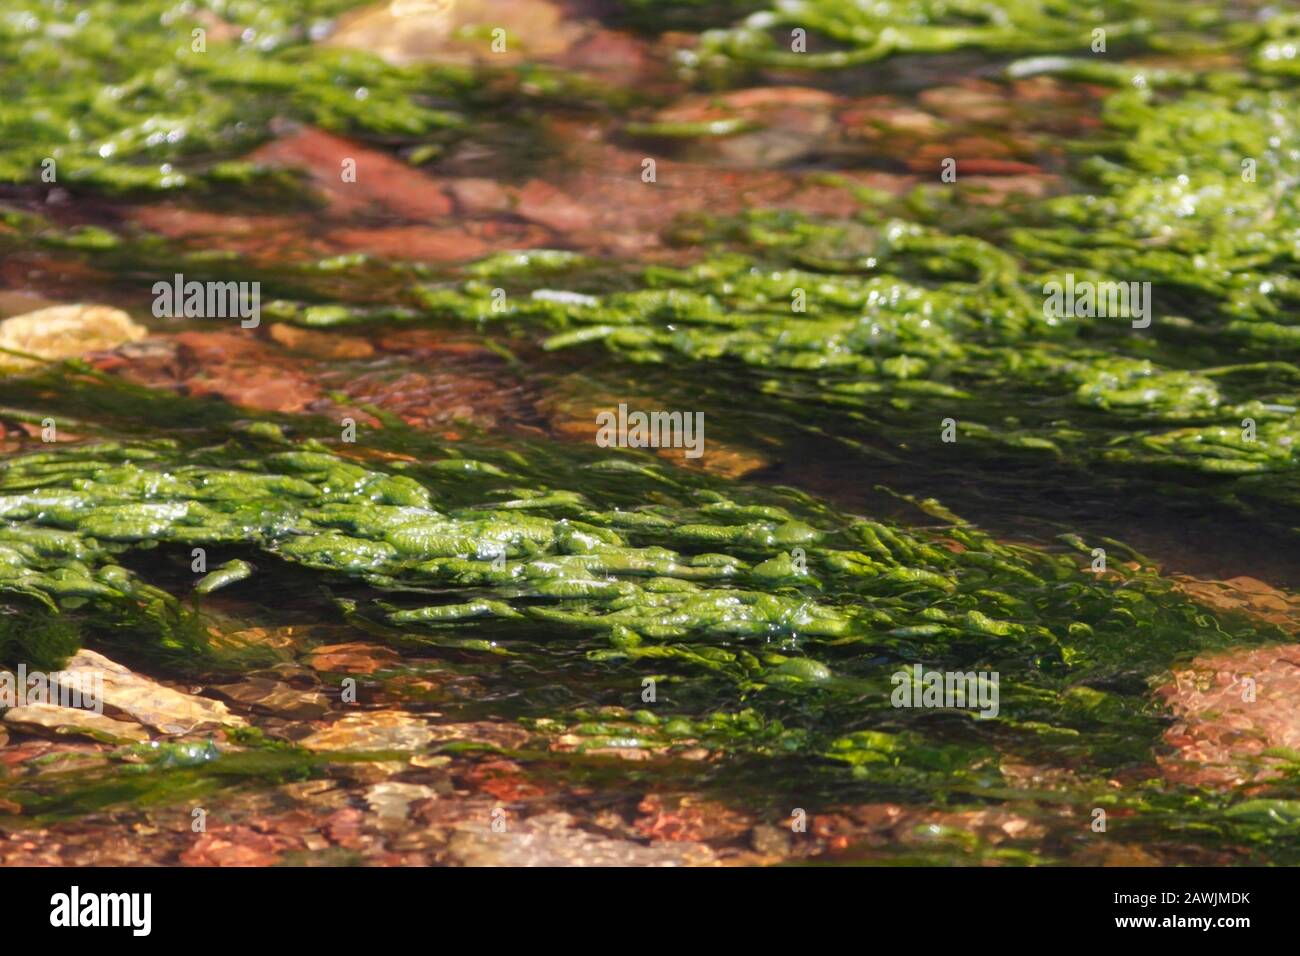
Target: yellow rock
{"x": 143, "y": 700}
{"x": 321, "y": 345}
{"x": 458, "y": 32}
{"x": 65, "y": 721}
{"x": 65, "y": 331}
{"x": 372, "y": 730}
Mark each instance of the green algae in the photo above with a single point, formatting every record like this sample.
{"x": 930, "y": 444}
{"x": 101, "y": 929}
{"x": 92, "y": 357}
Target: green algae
{"x": 123, "y": 97}
{"x": 928, "y": 351}
{"x": 576, "y": 568}
{"x": 704, "y": 594}
{"x": 1189, "y": 194}
{"x": 158, "y": 775}
{"x": 840, "y": 35}
{"x": 229, "y": 573}
{"x": 117, "y": 96}
{"x": 758, "y": 657}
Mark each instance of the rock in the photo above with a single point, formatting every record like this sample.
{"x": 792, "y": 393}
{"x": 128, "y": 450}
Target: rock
{"x": 973, "y": 102}
{"x": 458, "y": 390}
{"x": 320, "y": 345}
{"x": 382, "y": 183}
{"x": 22, "y": 301}
{"x": 477, "y": 197}
{"x": 686, "y": 818}
{"x": 236, "y": 846}
{"x": 491, "y": 733}
{"x": 573, "y": 416}
{"x": 65, "y": 721}
{"x": 540, "y": 202}
{"x": 616, "y": 57}
{"x": 1230, "y": 708}
{"x": 450, "y": 243}
{"x": 458, "y": 32}
{"x": 144, "y": 700}
{"x": 392, "y": 800}
{"x": 237, "y": 367}
{"x": 374, "y": 730}
{"x": 773, "y": 125}
{"x": 276, "y": 697}
{"x": 770, "y": 841}
{"x": 274, "y": 236}
{"x": 356, "y": 657}
{"x": 881, "y": 118}
{"x": 1105, "y": 853}
{"x": 505, "y": 780}
{"x": 975, "y": 156}
{"x": 1247, "y": 594}
{"x": 277, "y": 638}
{"x": 65, "y": 331}
{"x": 885, "y": 824}
{"x": 551, "y": 839}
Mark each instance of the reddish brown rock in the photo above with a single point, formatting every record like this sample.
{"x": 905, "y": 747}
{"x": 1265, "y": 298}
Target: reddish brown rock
{"x": 382, "y": 182}
{"x": 353, "y": 658}
{"x": 687, "y": 818}
{"x": 1231, "y": 707}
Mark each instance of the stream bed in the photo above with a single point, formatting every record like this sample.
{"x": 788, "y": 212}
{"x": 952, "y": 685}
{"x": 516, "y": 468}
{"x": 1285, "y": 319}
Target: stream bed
{"x": 528, "y": 432}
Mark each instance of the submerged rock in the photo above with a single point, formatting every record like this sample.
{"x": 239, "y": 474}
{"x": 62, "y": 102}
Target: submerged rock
{"x": 1236, "y": 716}
{"x": 73, "y": 721}
{"x": 277, "y": 698}
{"x": 65, "y": 331}
{"x": 356, "y": 657}
{"x": 391, "y": 800}
{"x": 376, "y": 730}
{"x": 552, "y": 839}
{"x": 459, "y": 32}
{"x": 147, "y": 701}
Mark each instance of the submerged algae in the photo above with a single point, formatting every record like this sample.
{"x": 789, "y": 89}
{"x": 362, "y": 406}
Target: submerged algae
{"x": 771, "y": 623}
{"x": 1191, "y": 196}
{"x": 740, "y": 597}
{"x": 938, "y": 325}
{"x": 839, "y": 35}
{"x": 152, "y": 95}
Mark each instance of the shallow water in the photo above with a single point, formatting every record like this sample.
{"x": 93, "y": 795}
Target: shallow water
{"x": 396, "y": 691}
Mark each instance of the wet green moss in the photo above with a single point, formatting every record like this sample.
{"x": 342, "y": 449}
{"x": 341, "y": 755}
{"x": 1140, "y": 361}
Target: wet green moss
{"x": 910, "y": 324}
{"x": 564, "y": 577}
{"x": 840, "y": 35}
{"x": 123, "y": 97}
{"x": 702, "y": 586}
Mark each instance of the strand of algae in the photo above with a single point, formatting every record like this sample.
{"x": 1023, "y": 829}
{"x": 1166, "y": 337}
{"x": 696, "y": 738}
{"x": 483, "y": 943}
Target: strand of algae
{"x": 768, "y": 659}
{"x": 151, "y": 95}
{"x": 703, "y": 581}
{"x": 1190, "y": 193}
{"x": 845, "y": 35}
{"x": 767, "y": 598}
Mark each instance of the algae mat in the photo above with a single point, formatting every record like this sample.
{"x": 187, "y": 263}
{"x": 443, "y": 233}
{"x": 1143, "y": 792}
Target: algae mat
{"x": 649, "y": 433}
